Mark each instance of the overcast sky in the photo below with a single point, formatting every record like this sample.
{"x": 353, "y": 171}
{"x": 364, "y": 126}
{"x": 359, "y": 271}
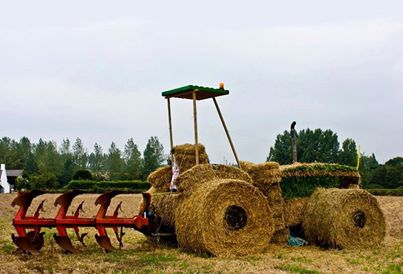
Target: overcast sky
{"x": 96, "y": 70}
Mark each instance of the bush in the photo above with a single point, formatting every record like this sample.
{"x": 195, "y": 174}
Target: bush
{"x": 102, "y": 186}
{"x": 22, "y": 183}
{"x": 82, "y": 174}
{"x": 45, "y": 182}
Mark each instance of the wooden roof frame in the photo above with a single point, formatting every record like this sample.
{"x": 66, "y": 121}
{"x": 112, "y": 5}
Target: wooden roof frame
{"x": 197, "y": 93}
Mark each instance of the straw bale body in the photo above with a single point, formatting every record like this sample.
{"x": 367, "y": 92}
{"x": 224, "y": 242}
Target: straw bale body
{"x": 267, "y": 177}
{"x": 161, "y": 178}
{"x": 343, "y": 218}
{"x": 264, "y": 173}
{"x": 164, "y": 206}
{"x": 294, "y": 211}
{"x": 246, "y": 165}
{"x": 185, "y": 156}
{"x": 200, "y": 174}
{"x": 224, "y": 217}
{"x": 348, "y": 175}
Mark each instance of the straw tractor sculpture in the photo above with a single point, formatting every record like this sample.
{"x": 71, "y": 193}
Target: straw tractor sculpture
{"x": 222, "y": 209}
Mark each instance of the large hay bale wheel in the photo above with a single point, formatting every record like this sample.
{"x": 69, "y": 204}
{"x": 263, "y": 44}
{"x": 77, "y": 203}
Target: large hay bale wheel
{"x": 224, "y": 217}
{"x": 343, "y": 218}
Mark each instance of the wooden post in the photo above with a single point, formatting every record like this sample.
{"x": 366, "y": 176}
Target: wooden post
{"x": 170, "y": 124}
{"x": 195, "y": 127}
{"x": 226, "y": 132}
{"x": 293, "y": 133}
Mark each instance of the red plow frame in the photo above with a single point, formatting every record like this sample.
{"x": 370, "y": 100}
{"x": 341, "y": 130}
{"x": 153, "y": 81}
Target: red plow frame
{"x": 30, "y": 238}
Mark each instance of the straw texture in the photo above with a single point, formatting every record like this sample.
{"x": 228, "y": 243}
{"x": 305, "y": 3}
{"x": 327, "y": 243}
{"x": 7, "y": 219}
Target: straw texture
{"x": 224, "y": 217}
{"x": 344, "y": 218}
{"x": 200, "y": 174}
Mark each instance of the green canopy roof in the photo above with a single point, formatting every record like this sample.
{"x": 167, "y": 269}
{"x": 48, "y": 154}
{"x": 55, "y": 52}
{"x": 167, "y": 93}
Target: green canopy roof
{"x": 186, "y": 92}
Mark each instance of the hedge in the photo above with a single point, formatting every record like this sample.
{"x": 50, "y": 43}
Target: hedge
{"x": 386, "y": 192}
{"x": 102, "y": 186}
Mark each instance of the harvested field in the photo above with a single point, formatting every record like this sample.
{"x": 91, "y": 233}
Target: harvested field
{"x": 141, "y": 256}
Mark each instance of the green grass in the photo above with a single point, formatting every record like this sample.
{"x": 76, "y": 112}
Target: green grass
{"x": 394, "y": 269}
{"x": 156, "y": 259}
{"x": 294, "y": 268}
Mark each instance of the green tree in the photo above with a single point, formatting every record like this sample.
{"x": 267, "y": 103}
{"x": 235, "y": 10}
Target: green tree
{"x": 281, "y": 152}
{"x": 80, "y": 154}
{"x": 69, "y": 165}
{"x": 395, "y": 161}
{"x": 48, "y": 159}
{"x": 133, "y": 161}
{"x": 312, "y": 145}
{"x": 115, "y": 163}
{"x": 153, "y": 156}
{"x": 367, "y": 165}
{"x": 348, "y": 153}
{"x": 97, "y": 159}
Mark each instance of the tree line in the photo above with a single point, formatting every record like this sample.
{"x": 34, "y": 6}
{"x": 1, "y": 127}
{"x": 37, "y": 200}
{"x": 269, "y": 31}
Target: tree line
{"x": 323, "y": 146}
{"x": 49, "y": 165}
{"x": 53, "y": 166}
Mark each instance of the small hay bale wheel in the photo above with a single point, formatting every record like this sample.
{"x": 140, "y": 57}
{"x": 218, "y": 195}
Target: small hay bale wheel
{"x": 224, "y": 217}
{"x": 343, "y": 218}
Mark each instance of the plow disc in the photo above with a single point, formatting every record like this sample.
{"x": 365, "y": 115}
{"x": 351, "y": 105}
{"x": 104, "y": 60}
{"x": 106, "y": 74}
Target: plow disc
{"x": 29, "y": 237}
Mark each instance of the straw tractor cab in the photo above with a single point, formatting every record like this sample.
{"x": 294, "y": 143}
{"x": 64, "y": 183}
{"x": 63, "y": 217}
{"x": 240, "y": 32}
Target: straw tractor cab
{"x": 223, "y": 209}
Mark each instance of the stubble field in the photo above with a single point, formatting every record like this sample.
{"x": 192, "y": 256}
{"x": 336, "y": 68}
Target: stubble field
{"x": 140, "y": 255}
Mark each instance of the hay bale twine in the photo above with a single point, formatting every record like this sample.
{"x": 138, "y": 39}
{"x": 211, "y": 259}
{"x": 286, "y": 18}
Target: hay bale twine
{"x": 294, "y": 211}
{"x": 164, "y": 205}
{"x": 200, "y": 174}
{"x": 224, "y": 217}
{"x": 185, "y": 156}
{"x": 161, "y": 178}
{"x": 343, "y": 218}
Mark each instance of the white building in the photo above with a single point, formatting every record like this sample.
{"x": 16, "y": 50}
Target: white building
{"x": 5, "y": 186}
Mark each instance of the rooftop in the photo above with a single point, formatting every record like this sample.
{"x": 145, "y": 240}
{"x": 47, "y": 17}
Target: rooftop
{"x": 186, "y": 92}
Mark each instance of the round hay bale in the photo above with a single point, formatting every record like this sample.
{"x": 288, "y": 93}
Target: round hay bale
{"x": 294, "y": 211}
{"x": 161, "y": 178}
{"x": 343, "y": 218}
{"x": 200, "y": 174}
{"x": 224, "y": 217}
{"x": 164, "y": 205}
{"x": 185, "y": 156}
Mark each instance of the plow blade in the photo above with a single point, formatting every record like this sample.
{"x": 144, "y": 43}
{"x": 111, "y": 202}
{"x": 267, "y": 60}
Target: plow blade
{"x": 24, "y": 243}
{"x": 29, "y": 237}
{"x": 65, "y": 243}
{"x": 24, "y": 199}
{"x": 105, "y": 243}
